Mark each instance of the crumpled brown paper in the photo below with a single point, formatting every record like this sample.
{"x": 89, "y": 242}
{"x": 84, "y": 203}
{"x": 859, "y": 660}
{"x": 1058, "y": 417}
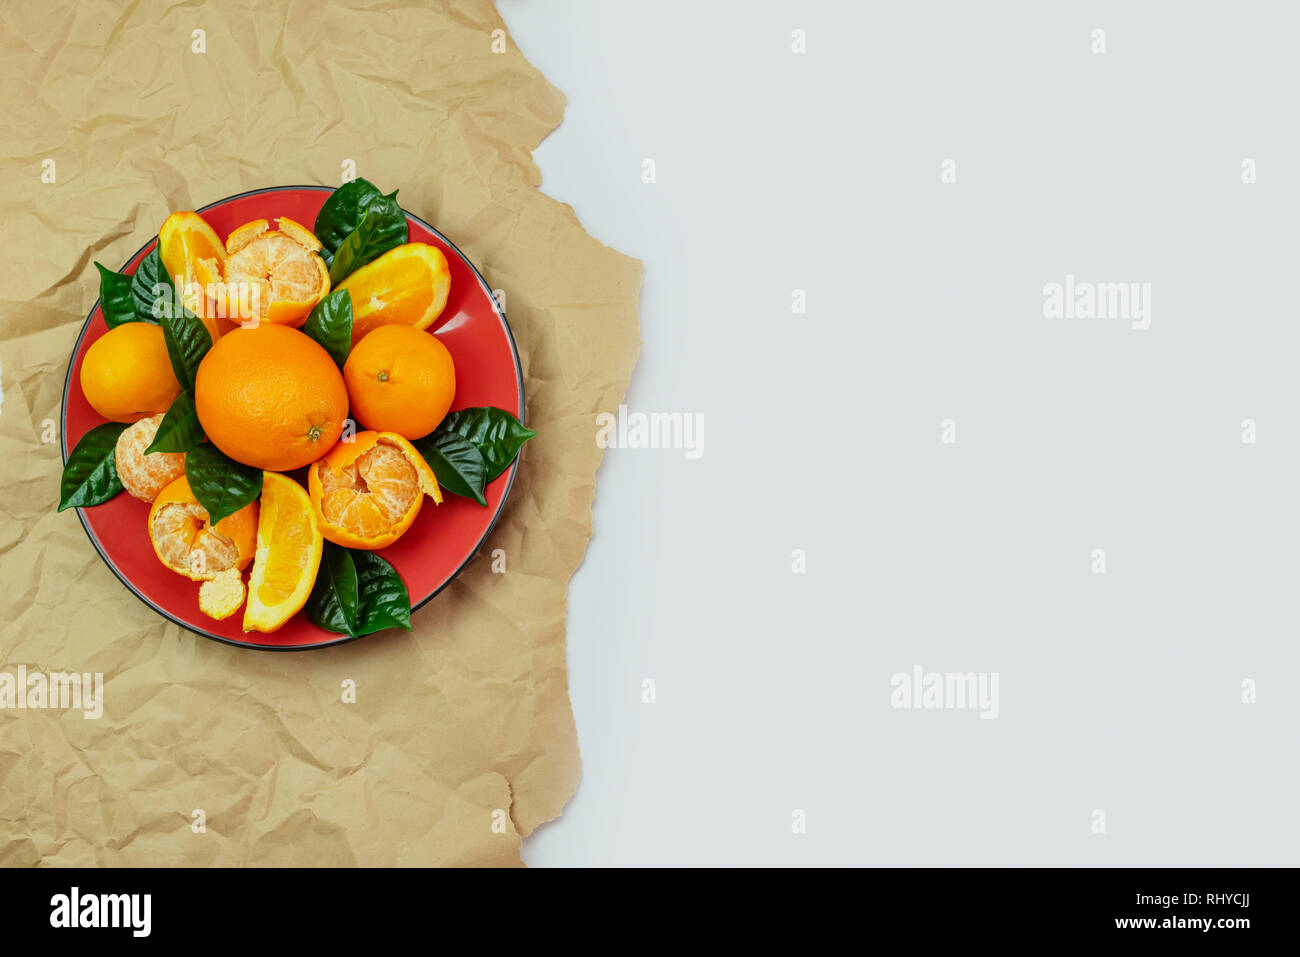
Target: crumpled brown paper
{"x": 468, "y": 715}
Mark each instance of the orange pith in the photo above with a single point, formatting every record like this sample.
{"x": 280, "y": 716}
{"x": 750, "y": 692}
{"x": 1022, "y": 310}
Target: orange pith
{"x": 367, "y": 492}
{"x": 186, "y": 542}
{"x": 270, "y": 397}
{"x": 271, "y": 275}
{"x": 184, "y": 240}
{"x": 406, "y": 285}
{"x": 221, "y": 596}
{"x": 289, "y": 547}
{"x": 400, "y": 379}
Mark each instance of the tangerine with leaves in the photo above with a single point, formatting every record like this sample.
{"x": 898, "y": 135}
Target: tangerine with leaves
{"x": 270, "y": 397}
{"x": 400, "y": 379}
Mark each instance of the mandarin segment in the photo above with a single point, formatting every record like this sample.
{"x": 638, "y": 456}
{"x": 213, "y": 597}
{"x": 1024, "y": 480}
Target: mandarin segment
{"x": 241, "y": 236}
{"x": 346, "y": 477}
{"x": 299, "y": 233}
{"x": 144, "y": 476}
{"x": 355, "y": 511}
{"x": 391, "y": 480}
{"x": 221, "y": 596}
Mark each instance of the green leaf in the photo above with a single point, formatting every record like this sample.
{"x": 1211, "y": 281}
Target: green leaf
{"x": 383, "y": 227}
{"x": 90, "y": 475}
{"x": 498, "y": 435}
{"x": 384, "y": 600}
{"x": 151, "y": 289}
{"x": 115, "y": 300}
{"x": 330, "y": 324}
{"x": 222, "y": 485}
{"x": 333, "y": 602}
{"x": 343, "y": 212}
{"x": 179, "y": 431}
{"x": 357, "y": 593}
{"x": 456, "y": 462}
{"x": 188, "y": 341}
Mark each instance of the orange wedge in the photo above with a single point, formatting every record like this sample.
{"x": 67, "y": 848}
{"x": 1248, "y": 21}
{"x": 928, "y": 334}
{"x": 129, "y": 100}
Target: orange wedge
{"x": 184, "y": 240}
{"x": 406, "y": 285}
{"x": 367, "y": 492}
{"x": 267, "y": 275}
{"x": 189, "y": 544}
{"x": 289, "y": 547}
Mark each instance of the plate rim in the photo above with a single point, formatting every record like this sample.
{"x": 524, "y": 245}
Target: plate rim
{"x": 340, "y": 639}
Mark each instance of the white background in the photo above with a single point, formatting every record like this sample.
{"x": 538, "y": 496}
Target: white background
{"x": 821, "y": 172}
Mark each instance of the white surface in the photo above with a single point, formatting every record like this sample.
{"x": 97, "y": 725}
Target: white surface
{"x": 820, "y": 171}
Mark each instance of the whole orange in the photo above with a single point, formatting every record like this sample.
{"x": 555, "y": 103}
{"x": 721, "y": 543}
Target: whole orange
{"x": 270, "y": 397}
{"x": 400, "y": 379}
{"x": 126, "y": 375}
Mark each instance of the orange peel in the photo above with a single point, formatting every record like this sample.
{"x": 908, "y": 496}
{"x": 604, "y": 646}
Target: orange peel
{"x": 185, "y": 540}
{"x": 367, "y": 492}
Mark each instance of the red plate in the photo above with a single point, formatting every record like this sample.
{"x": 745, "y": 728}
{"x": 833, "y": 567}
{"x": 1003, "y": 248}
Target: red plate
{"x": 444, "y": 537}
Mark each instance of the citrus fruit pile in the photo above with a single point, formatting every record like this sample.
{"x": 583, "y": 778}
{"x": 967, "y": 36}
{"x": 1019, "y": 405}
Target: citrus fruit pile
{"x": 278, "y": 401}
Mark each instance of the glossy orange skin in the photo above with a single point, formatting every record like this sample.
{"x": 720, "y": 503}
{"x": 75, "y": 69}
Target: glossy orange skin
{"x": 270, "y": 397}
{"x": 126, "y": 374}
{"x": 400, "y": 379}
